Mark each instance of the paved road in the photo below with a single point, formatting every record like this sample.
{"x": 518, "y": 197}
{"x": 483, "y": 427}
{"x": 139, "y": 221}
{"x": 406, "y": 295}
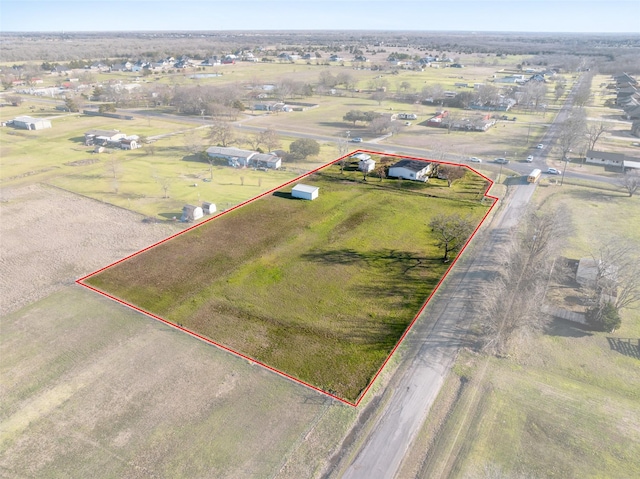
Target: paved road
{"x": 431, "y": 347}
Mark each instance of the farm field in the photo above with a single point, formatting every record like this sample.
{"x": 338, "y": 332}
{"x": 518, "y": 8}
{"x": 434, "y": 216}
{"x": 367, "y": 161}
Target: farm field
{"x": 93, "y": 389}
{"x": 320, "y": 290}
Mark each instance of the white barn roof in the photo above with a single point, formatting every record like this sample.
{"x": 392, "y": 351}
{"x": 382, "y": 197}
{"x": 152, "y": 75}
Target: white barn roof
{"x": 304, "y": 188}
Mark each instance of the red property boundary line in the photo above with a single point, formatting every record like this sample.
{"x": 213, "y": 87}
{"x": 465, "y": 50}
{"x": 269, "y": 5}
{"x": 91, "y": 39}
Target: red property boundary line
{"x": 81, "y": 282}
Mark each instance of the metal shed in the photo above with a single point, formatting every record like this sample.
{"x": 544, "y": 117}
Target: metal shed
{"x": 305, "y": 192}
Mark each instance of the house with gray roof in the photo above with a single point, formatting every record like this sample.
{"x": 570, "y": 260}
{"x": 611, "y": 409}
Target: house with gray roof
{"x": 411, "y": 170}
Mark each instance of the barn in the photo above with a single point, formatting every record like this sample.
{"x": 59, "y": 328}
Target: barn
{"x": 411, "y": 170}
{"x": 305, "y": 192}
{"x": 209, "y": 208}
{"x": 30, "y": 123}
{"x": 191, "y": 213}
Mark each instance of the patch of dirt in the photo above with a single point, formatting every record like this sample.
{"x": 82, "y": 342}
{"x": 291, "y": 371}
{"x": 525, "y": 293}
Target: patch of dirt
{"x": 50, "y": 238}
{"x": 87, "y": 161}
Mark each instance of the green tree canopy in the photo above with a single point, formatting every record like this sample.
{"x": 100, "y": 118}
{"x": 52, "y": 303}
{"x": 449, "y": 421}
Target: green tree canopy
{"x": 304, "y": 147}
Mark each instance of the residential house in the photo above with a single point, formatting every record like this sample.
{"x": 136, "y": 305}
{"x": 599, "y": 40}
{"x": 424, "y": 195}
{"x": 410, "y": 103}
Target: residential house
{"x": 211, "y": 61}
{"x": 632, "y": 112}
{"x": 235, "y": 157}
{"x": 103, "y": 137}
{"x": 239, "y": 158}
{"x": 619, "y": 160}
{"x": 411, "y": 170}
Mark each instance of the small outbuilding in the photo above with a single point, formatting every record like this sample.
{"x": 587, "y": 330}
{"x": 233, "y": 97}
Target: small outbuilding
{"x": 305, "y": 192}
{"x": 191, "y": 213}
{"x": 209, "y": 208}
{"x": 367, "y": 166}
{"x": 30, "y": 123}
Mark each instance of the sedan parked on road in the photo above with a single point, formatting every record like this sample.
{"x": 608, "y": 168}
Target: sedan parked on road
{"x": 553, "y": 171}
{"x": 473, "y": 159}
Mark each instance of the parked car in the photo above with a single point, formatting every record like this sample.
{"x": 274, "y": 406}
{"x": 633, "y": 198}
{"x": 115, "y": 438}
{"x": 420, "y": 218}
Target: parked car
{"x": 540, "y": 146}
{"x": 553, "y": 171}
{"x": 473, "y": 159}
{"x": 357, "y": 139}
{"x": 529, "y": 159}
{"x": 501, "y": 161}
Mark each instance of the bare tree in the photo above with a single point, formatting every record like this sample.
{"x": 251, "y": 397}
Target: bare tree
{"x": 594, "y": 132}
{"x": 270, "y": 139}
{"x": 451, "y": 173}
{"x": 193, "y": 142}
{"x": 512, "y": 302}
{"x": 113, "y": 167}
{"x": 451, "y": 232}
{"x": 379, "y": 96}
{"x": 533, "y": 94}
{"x": 618, "y": 273}
{"x": 254, "y": 141}
{"x": 380, "y": 125}
{"x": 572, "y": 133}
{"x": 222, "y": 134}
{"x": 631, "y": 183}
{"x": 165, "y": 184}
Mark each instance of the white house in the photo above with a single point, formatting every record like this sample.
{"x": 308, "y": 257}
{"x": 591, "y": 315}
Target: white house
{"x": 612, "y": 159}
{"x": 411, "y": 170}
{"x": 305, "y": 192}
{"x": 234, "y": 156}
{"x": 30, "y": 123}
{"x": 239, "y": 158}
{"x": 191, "y": 213}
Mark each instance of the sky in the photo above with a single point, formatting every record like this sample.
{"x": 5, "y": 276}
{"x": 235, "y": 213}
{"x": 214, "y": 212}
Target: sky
{"x": 571, "y": 16}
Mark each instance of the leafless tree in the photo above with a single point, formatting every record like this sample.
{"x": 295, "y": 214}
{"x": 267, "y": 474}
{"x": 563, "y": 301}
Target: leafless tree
{"x": 572, "y": 133}
{"x": 512, "y": 302}
{"x": 165, "y": 184}
{"x": 451, "y": 232}
{"x": 630, "y": 182}
{"x": 533, "y": 94}
{"x": 618, "y": 272}
{"x": 380, "y": 125}
{"x": 113, "y": 167}
{"x": 379, "y": 96}
{"x": 270, "y": 139}
{"x": 451, "y": 173}
{"x": 594, "y": 132}
{"x": 222, "y": 134}
{"x": 193, "y": 142}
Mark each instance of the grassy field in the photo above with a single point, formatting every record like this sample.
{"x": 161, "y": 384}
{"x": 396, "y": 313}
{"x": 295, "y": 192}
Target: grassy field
{"x": 569, "y": 404}
{"x": 93, "y": 389}
{"x": 322, "y": 290}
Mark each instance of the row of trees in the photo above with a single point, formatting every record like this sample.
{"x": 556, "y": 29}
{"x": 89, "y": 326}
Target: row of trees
{"x": 511, "y": 303}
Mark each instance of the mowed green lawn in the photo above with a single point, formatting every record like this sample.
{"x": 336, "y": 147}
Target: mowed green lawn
{"x": 321, "y": 290}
